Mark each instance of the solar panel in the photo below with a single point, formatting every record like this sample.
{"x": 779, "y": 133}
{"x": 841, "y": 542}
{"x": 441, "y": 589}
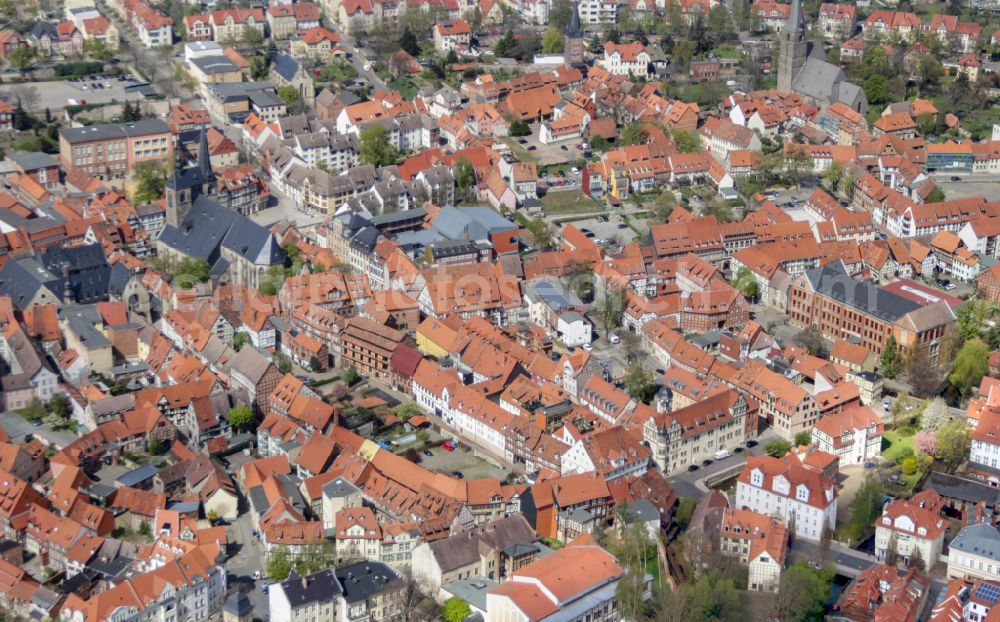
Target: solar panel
{"x": 988, "y": 592}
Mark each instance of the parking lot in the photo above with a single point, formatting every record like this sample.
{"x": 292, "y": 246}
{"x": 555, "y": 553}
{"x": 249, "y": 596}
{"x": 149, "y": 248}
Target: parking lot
{"x": 610, "y": 229}
{"x": 56, "y": 94}
{"x": 553, "y": 153}
{"x": 470, "y": 465}
{"x": 963, "y": 189}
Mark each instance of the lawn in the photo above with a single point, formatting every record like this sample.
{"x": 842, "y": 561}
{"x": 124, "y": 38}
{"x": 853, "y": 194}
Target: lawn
{"x": 568, "y": 202}
{"x": 406, "y": 88}
{"x": 897, "y": 444}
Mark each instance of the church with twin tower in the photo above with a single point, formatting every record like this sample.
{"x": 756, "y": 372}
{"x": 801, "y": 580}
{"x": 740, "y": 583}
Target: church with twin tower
{"x": 803, "y": 68}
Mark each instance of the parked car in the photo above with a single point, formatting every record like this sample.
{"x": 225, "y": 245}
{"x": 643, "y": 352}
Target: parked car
{"x": 614, "y": 338}
{"x": 950, "y": 286}
{"x": 693, "y": 467}
{"x": 564, "y": 147}
{"x": 256, "y": 575}
{"x": 956, "y": 178}
{"x": 706, "y": 462}
{"x": 722, "y": 454}
{"x": 751, "y": 443}
{"x": 458, "y": 474}
{"x": 428, "y": 453}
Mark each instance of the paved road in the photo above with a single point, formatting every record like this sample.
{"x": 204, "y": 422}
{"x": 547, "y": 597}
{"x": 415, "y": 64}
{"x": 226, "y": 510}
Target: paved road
{"x": 358, "y": 62}
{"x": 16, "y": 426}
{"x": 849, "y": 562}
{"x": 692, "y": 483}
{"x": 248, "y": 559}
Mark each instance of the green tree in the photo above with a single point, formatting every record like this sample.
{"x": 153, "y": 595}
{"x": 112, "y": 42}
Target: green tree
{"x": 144, "y": 528}
{"x": 633, "y": 134}
{"x": 599, "y": 144}
{"x": 803, "y": 438}
{"x": 252, "y": 37}
{"x": 505, "y": 46}
{"x": 803, "y": 593}
{"x": 351, "y": 376}
{"x": 552, "y": 41}
{"x": 240, "y": 339}
{"x": 778, "y": 448}
{"x": 35, "y": 410}
{"x": 240, "y": 417}
{"x": 970, "y": 318}
{"x": 58, "y": 405}
{"x": 406, "y": 410}
{"x": 150, "y": 178}
{"x": 291, "y": 96}
{"x": 97, "y": 49}
{"x": 559, "y": 14}
{"x": 408, "y": 42}
{"x": 811, "y": 339}
{"x": 866, "y": 507}
{"x": 686, "y": 142}
{"x": 375, "y": 147}
{"x": 154, "y": 447}
{"x": 455, "y": 609}
{"x": 610, "y": 306}
{"x": 876, "y": 89}
{"x": 745, "y": 282}
{"x": 188, "y": 272}
{"x": 540, "y": 231}
{"x": 889, "y": 358}
{"x": 638, "y": 382}
{"x": 952, "y": 442}
{"x": 465, "y": 176}
{"x": 663, "y": 206}
{"x": 832, "y": 174}
{"x": 278, "y": 565}
{"x": 267, "y": 288}
{"x": 283, "y": 363}
{"x": 519, "y": 128}
{"x": 970, "y": 365}
{"x": 936, "y": 195}
{"x": 22, "y": 58}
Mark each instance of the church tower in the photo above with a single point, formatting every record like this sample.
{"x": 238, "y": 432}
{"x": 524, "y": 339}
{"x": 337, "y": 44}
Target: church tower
{"x": 184, "y": 186}
{"x": 794, "y": 48}
{"x": 573, "y": 47}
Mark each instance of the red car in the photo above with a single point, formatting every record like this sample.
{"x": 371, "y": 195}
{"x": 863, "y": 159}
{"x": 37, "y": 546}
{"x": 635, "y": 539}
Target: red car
{"x": 449, "y": 446}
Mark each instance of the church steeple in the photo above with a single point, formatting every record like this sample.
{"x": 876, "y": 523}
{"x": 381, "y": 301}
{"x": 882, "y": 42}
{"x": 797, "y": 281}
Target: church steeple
{"x": 794, "y": 47}
{"x": 573, "y": 47}
{"x": 204, "y": 158}
{"x": 573, "y": 28}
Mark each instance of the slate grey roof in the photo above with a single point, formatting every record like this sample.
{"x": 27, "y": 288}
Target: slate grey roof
{"x": 251, "y": 364}
{"x": 472, "y": 223}
{"x": 214, "y": 64}
{"x": 795, "y": 20}
{"x": 824, "y": 81}
{"x": 833, "y": 280}
{"x": 114, "y": 130}
{"x": 19, "y": 284}
{"x": 285, "y": 66}
{"x": 136, "y": 476}
{"x": 339, "y": 487}
{"x": 463, "y": 548}
{"x": 208, "y": 226}
{"x": 643, "y": 510}
{"x": 32, "y": 160}
{"x": 265, "y": 99}
{"x": 363, "y": 580}
{"x": 573, "y": 28}
{"x": 980, "y": 539}
{"x": 472, "y": 590}
{"x": 321, "y": 586}
{"x": 238, "y": 604}
{"x": 966, "y": 490}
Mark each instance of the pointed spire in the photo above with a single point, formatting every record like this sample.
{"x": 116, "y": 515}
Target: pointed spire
{"x": 796, "y": 22}
{"x": 204, "y": 159}
{"x": 573, "y": 29}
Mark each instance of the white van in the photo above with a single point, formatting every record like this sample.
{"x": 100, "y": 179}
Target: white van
{"x": 722, "y": 454}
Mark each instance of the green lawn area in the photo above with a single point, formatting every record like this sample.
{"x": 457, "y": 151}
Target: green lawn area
{"x": 406, "y": 88}
{"x": 897, "y": 444}
{"x": 568, "y": 202}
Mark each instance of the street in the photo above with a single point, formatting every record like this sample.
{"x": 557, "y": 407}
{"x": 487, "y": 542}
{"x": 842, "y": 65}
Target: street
{"x": 248, "y": 558}
{"x": 692, "y": 483}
